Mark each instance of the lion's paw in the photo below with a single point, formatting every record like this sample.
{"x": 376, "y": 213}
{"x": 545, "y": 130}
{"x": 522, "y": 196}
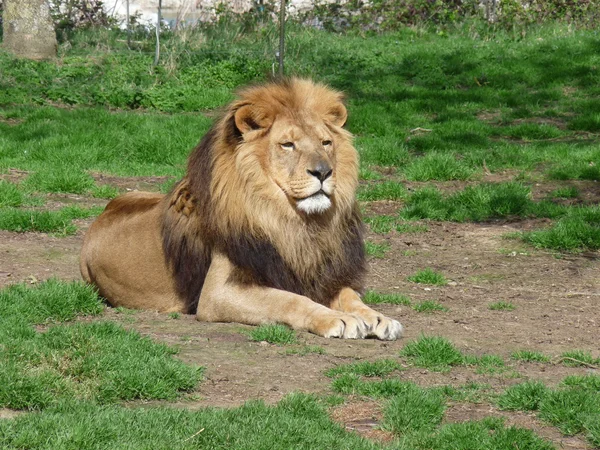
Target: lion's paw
{"x": 384, "y": 328}
{"x": 346, "y": 326}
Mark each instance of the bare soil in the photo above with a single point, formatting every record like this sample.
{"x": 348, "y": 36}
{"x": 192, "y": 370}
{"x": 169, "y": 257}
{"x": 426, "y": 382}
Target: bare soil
{"x": 556, "y": 299}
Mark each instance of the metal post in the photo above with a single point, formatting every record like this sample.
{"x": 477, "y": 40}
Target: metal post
{"x": 157, "y": 54}
{"x": 281, "y": 35}
{"x": 128, "y": 26}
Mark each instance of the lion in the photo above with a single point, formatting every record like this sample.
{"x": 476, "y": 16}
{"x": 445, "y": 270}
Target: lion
{"x": 263, "y": 228}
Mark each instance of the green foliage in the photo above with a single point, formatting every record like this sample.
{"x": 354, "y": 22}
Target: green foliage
{"x": 10, "y": 195}
{"x": 379, "y": 368}
{"x": 530, "y": 356}
{"x": 578, "y": 358}
{"x": 501, "y": 306}
{"x": 380, "y": 224}
{"x": 432, "y": 352}
{"x": 104, "y": 191}
{"x": 376, "y": 250}
{"x": 50, "y": 301}
{"x": 437, "y": 166}
{"x": 429, "y": 306}
{"x": 298, "y": 421}
{"x": 476, "y": 203}
{"x": 58, "y": 222}
{"x": 413, "y": 410}
{"x": 572, "y": 233}
{"x": 523, "y": 397}
{"x": 273, "y": 334}
{"x": 566, "y": 192}
{"x": 386, "y": 190}
{"x": 65, "y": 179}
{"x": 590, "y": 382}
{"x": 428, "y": 276}
{"x": 374, "y": 298}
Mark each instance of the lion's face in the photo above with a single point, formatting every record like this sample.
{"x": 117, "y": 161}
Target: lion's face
{"x": 298, "y": 147}
{"x": 302, "y": 162}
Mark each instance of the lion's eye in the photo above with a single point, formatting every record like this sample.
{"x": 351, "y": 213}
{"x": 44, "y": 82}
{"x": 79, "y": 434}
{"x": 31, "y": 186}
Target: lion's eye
{"x": 288, "y": 146}
{"x": 326, "y": 143}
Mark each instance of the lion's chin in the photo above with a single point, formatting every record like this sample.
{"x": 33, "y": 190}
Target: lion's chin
{"x": 315, "y": 204}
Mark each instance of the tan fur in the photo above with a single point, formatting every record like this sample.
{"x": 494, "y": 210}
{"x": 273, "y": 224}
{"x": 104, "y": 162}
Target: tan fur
{"x": 277, "y": 172}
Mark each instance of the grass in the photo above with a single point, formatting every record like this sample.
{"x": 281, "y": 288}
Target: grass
{"x": 573, "y": 408}
{"x": 386, "y": 190}
{"x": 530, "y": 356}
{"x": 97, "y": 361}
{"x": 298, "y": 421}
{"x": 432, "y": 352}
{"x": 502, "y": 305}
{"x": 414, "y": 410}
{"x": 59, "y": 222}
{"x": 273, "y": 334}
{"x": 306, "y": 350}
{"x": 428, "y": 276}
{"x": 579, "y": 358}
{"x": 376, "y": 250}
{"x": 375, "y": 298}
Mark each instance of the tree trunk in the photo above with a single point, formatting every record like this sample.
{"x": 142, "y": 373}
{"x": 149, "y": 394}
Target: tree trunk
{"x": 28, "y": 29}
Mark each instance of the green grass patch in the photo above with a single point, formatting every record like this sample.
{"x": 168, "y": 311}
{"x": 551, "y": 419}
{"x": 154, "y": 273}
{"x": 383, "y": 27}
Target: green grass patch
{"x": 565, "y": 192}
{"x": 437, "y": 166}
{"x": 413, "y": 410}
{"x": 368, "y": 369}
{"x": 523, "y": 397}
{"x": 380, "y": 224}
{"x": 428, "y": 276}
{"x": 411, "y": 228}
{"x": 298, "y": 421}
{"x": 386, "y": 190}
{"x": 530, "y": 356}
{"x": 429, "y": 306}
{"x": 273, "y": 334}
{"x": 62, "y": 180}
{"x": 568, "y": 234}
{"x": 376, "y": 250}
{"x": 501, "y": 306}
{"x": 104, "y": 191}
{"x": 432, "y": 352}
{"x": 96, "y": 361}
{"x": 59, "y": 222}
{"x": 10, "y": 195}
{"x": 375, "y": 298}
{"x": 474, "y": 203}
{"x": 579, "y": 358}
{"x": 590, "y": 382}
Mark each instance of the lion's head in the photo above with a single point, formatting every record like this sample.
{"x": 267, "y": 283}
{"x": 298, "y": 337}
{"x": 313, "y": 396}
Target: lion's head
{"x": 295, "y": 130}
{"x": 272, "y": 185}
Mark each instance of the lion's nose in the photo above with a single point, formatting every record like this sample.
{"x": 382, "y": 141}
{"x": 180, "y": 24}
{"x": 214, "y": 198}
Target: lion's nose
{"x": 322, "y": 171}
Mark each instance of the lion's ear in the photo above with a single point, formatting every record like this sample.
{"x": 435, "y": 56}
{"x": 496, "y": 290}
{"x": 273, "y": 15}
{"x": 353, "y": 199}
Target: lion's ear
{"x": 250, "y": 118}
{"x": 337, "y": 114}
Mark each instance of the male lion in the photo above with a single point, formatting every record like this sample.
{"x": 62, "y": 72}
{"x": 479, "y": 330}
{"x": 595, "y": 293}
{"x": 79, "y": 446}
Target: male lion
{"x": 264, "y": 227}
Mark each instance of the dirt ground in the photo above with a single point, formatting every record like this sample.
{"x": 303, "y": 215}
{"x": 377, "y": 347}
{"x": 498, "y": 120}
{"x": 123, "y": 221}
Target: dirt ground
{"x": 556, "y": 298}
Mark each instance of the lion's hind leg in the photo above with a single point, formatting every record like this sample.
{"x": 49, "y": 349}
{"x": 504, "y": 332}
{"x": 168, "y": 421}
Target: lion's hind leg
{"x": 348, "y": 301}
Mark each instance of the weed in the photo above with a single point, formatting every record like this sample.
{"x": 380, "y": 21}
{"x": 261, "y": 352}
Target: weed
{"x": 428, "y": 276}
{"x": 501, "y": 306}
{"x": 413, "y": 410}
{"x": 566, "y": 192}
{"x": 386, "y": 190}
{"x": 380, "y": 224}
{"x": 376, "y": 250}
{"x": 411, "y": 228}
{"x": 530, "y": 356}
{"x": 374, "y": 298}
{"x": 273, "y": 334}
{"x": 523, "y": 397}
{"x": 174, "y": 315}
{"x": 104, "y": 191}
{"x": 578, "y": 358}
{"x": 432, "y": 352}
{"x": 429, "y": 306}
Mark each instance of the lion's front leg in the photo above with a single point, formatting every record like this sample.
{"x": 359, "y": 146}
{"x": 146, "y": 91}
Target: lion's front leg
{"x": 224, "y": 300}
{"x": 382, "y": 327}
